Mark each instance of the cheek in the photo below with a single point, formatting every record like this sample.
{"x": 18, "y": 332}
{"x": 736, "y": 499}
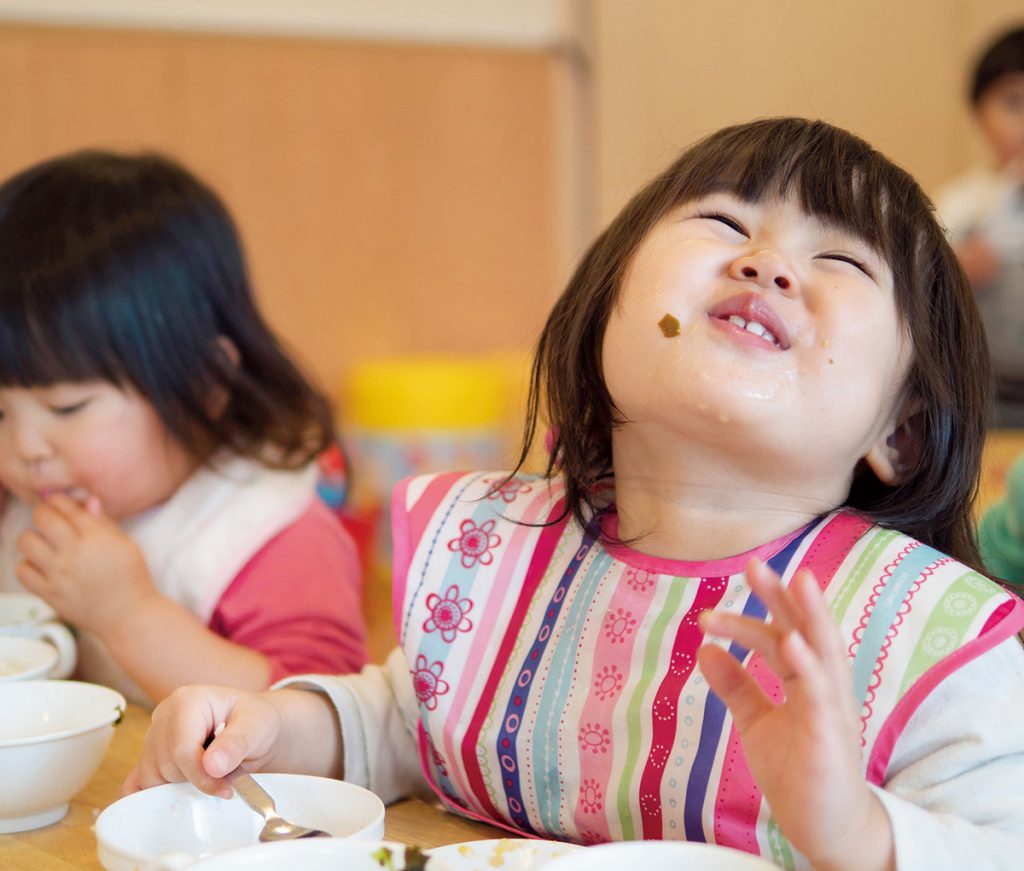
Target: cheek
{"x": 862, "y": 363}
{"x": 110, "y": 456}
{"x": 100, "y": 464}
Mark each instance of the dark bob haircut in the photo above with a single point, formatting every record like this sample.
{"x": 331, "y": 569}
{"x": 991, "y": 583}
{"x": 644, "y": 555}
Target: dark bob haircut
{"x": 127, "y": 269}
{"x": 1003, "y": 57}
{"x": 839, "y": 178}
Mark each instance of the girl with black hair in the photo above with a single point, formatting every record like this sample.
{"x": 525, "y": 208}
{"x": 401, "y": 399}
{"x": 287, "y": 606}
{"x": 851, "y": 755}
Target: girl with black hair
{"x": 157, "y": 445}
{"x": 741, "y": 605}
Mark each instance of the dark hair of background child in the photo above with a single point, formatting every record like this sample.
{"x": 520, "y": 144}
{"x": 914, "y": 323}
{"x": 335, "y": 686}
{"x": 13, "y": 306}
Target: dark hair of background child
{"x": 1005, "y": 55}
{"x": 841, "y": 179}
{"x": 128, "y": 269}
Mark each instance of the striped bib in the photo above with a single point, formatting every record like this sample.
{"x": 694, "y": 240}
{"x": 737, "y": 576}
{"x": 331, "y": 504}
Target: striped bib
{"x": 556, "y": 674}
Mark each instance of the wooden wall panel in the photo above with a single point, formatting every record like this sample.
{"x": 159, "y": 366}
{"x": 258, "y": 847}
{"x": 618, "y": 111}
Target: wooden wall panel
{"x": 667, "y": 73}
{"x": 393, "y": 198}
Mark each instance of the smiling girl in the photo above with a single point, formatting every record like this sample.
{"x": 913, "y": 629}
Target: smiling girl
{"x": 741, "y": 606}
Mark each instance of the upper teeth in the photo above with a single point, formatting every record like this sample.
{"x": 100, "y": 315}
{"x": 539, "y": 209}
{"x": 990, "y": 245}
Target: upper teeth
{"x": 758, "y": 329}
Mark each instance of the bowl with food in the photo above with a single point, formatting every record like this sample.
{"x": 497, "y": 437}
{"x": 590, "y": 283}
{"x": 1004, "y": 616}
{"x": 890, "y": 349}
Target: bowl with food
{"x": 324, "y": 854}
{"x": 25, "y": 658}
{"x": 176, "y": 825}
{"x": 508, "y": 854}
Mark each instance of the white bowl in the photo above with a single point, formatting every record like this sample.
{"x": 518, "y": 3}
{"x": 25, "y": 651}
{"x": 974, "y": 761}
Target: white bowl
{"x": 18, "y": 610}
{"x": 53, "y": 734}
{"x": 508, "y": 854}
{"x": 25, "y": 658}
{"x": 173, "y": 825}
{"x": 660, "y": 856}
{"x": 315, "y": 854}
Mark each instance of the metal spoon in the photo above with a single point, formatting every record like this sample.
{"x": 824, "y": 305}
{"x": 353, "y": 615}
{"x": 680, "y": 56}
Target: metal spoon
{"x": 275, "y": 827}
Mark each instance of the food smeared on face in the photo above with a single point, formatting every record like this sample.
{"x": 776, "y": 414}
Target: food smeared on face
{"x": 669, "y": 326}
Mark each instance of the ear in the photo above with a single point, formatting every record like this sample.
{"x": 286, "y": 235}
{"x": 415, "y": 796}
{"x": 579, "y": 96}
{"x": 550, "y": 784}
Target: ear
{"x": 898, "y": 447}
{"x": 217, "y": 399}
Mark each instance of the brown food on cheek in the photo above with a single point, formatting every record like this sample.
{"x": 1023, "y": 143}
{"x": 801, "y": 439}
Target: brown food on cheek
{"x": 669, "y": 326}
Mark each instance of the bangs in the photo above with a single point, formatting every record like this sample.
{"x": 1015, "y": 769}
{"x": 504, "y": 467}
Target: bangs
{"x": 835, "y": 176}
{"x": 94, "y": 283}
{"x": 98, "y": 297}
{"x": 126, "y": 320}
{"x": 50, "y": 334}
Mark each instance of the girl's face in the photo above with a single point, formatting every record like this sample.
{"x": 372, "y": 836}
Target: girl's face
{"x": 1000, "y": 114}
{"x": 88, "y": 438}
{"x": 789, "y": 346}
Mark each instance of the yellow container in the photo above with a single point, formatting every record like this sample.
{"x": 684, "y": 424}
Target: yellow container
{"x": 412, "y": 415}
{"x": 428, "y": 393}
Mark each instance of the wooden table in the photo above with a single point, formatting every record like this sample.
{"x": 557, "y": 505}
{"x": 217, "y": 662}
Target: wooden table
{"x": 71, "y": 843}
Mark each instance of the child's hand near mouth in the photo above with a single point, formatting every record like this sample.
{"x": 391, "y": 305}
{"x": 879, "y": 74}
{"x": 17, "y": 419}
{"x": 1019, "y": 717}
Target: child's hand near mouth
{"x": 83, "y": 564}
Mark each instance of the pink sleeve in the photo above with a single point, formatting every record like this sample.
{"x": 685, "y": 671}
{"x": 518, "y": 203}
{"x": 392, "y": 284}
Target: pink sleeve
{"x": 298, "y": 600}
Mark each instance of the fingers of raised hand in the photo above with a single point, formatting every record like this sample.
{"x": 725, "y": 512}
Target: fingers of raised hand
{"x": 800, "y": 641}
{"x": 817, "y": 625}
{"x": 748, "y": 632}
{"x": 793, "y": 607}
{"x": 800, "y": 608}
{"x": 737, "y": 689}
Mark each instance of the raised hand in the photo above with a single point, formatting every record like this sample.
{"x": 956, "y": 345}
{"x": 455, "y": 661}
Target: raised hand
{"x": 804, "y": 752}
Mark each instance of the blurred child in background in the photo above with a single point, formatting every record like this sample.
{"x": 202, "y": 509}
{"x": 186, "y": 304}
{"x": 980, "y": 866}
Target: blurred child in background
{"x": 157, "y": 444}
{"x": 984, "y": 213}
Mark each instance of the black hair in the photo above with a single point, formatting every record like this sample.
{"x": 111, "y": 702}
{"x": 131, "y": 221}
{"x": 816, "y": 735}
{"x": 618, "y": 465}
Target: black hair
{"x": 1002, "y": 57}
{"x": 128, "y": 269}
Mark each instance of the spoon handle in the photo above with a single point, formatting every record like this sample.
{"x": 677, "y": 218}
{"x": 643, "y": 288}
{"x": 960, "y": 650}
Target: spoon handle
{"x": 242, "y": 782}
{"x": 252, "y": 793}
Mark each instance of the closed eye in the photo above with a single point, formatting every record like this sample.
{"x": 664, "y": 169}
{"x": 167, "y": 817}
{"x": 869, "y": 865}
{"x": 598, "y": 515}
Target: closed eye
{"x": 729, "y": 222}
{"x": 853, "y": 261}
{"x": 64, "y": 410}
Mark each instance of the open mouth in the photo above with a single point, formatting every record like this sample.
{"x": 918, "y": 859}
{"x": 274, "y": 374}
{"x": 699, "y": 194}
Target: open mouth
{"x": 755, "y": 327}
{"x": 752, "y": 314}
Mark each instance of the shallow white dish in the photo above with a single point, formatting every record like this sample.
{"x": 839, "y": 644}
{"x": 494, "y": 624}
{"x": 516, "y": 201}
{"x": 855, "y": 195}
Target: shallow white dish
{"x": 315, "y": 854}
{"x": 174, "y": 825}
{"x": 660, "y": 856}
{"x": 508, "y": 854}
{"x": 53, "y": 734}
{"x": 25, "y": 658}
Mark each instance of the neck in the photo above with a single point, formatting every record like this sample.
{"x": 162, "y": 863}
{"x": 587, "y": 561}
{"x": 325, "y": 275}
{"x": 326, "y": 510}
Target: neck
{"x": 699, "y": 505}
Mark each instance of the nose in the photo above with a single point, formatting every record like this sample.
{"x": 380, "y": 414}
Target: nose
{"x": 765, "y": 267}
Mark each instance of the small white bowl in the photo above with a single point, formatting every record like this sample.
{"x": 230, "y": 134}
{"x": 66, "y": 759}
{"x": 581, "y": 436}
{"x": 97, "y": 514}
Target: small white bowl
{"x": 174, "y": 825}
{"x": 53, "y": 734}
{"x": 660, "y": 856}
{"x": 508, "y": 854}
{"x": 315, "y": 854}
{"x": 25, "y": 658}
